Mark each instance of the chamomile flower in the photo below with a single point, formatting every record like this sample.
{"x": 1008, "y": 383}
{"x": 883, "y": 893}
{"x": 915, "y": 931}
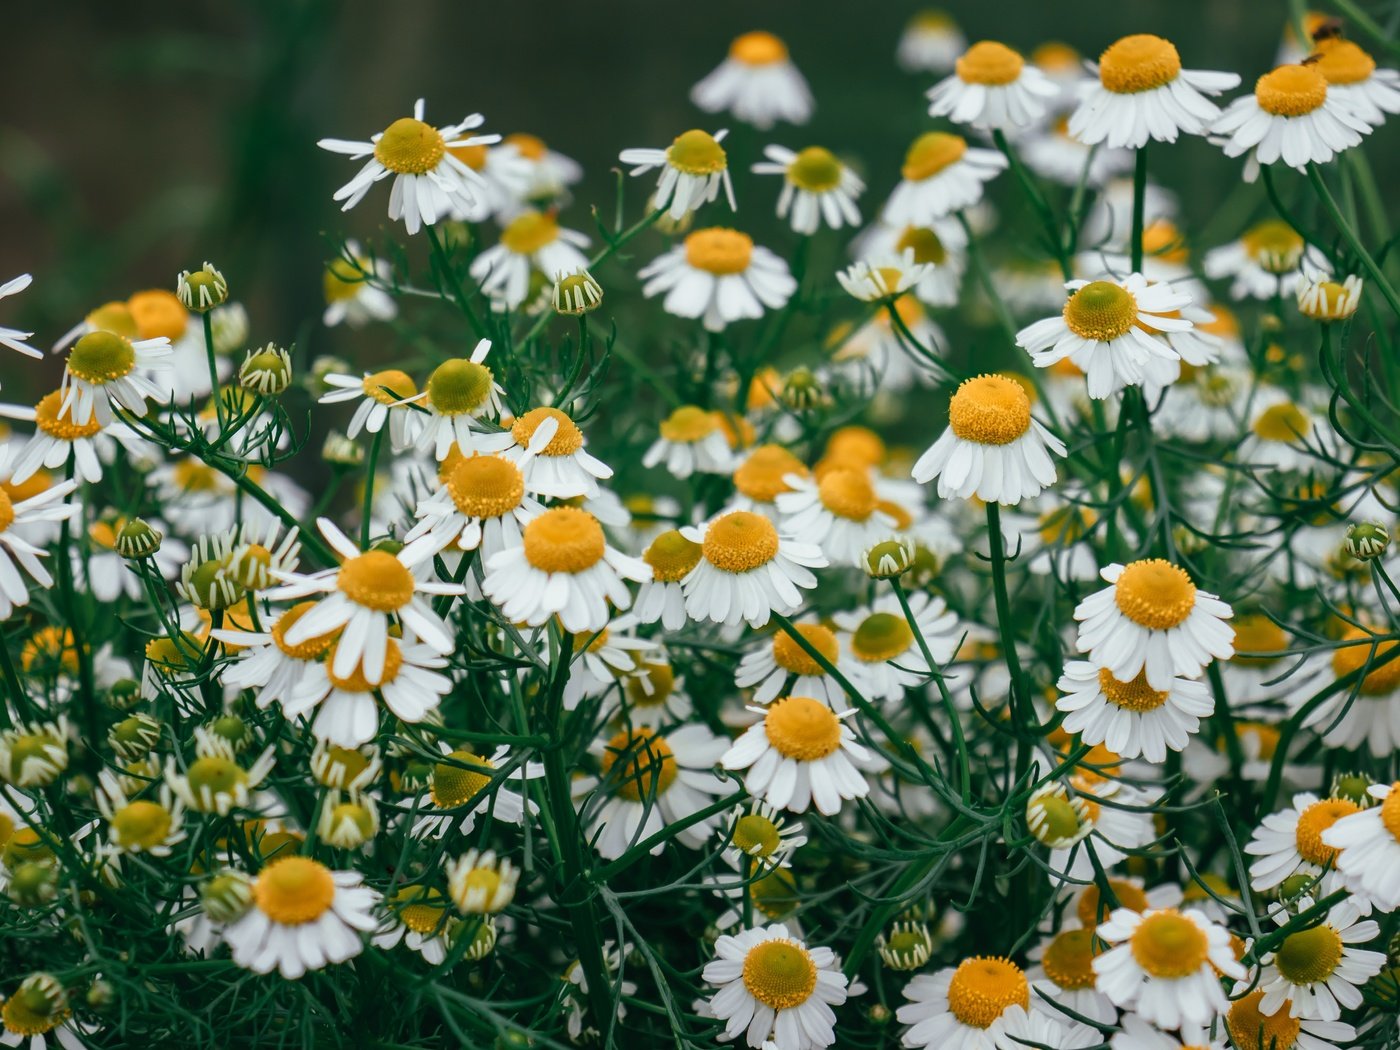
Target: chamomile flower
{"x": 1289, "y": 842}
{"x": 13, "y": 337}
{"x": 480, "y": 883}
{"x": 460, "y": 789}
{"x": 775, "y": 990}
{"x": 458, "y": 393}
{"x": 992, "y": 88}
{"x": 1036, "y": 1028}
{"x": 345, "y": 769}
{"x": 994, "y": 448}
{"x": 604, "y": 660}
{"x": 1137, "y": 1034}
{"x": 1251, "y": 1028}
{"x": 884, "y": 648}
{"x": 1096, "y": 827}
{"x": 481, "y": 504}
{"x": 882, "y": 277}
{"x": 963, "y": 1007}
{"x": 142, "y": 825}
{"x": 56, "y": 437}
{"x": 215, "y": 782}
{"x": 1166, "y": 965}
{"x": 1131, "y": 718}
{"x": 18, "y": 556}
{"x": 33, "y": 756}
{"x": 719, "y": 276}
{"x": 1057, "y": 155}
{"x": 1153, "y": 617}
{"x": 349, "y": 287}
{"x": 429, "y": 179}
{"x": 817, "y": 188}
{"x": 1290, "y": 117}
{"x": 547, "y": 446}
{"x": 757, "y": 84}
{"x": 420, "y": 918}
{"x": 1263, "y": 262}
{"x": 692, "y": 441}
{"x": 1143, "y": 94}
{"x": 694, "y": 168}
{"x": 800, "y": 753}
{"x": 533, "y": 241}
{"x": 763, "y": 476}
{"x": 759, "y": 838}
{"x": 840, "y": 512}
{"x": 1369, "y": 848}
{"x": 383, "y": 397}
{"x": 103, "y": 368}
{"x": 1352, "y": 78}
{"x": 941, "y": 175}
{"x": 1317, "y": 972}
{"x": 747, "y": 570}
{"x": 930, "y": 43}
{"x": 781, "y": 667}
{"x": 563, "y": 566}
{"x": 1064, "y": 976}
{"x": 303, "y": 916}
{"x": 39, "y": 1010}
{"x": 1325, "y": 299}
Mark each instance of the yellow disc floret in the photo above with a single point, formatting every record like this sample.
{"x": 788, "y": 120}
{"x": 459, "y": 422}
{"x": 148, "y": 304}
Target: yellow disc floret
{"x": 697, "y": 153}
{"x": 989, "y": 410}
{"x": 760, "y": 477}
{"x": 639, "y": 764}
{"x": 990, "y": 63}
{"x": 671, "y": 556}
{"x": 983, "y": 987}
{"x": 312, "y": 648}
{"x": 1316, "y": 819}
{"x": 564, "y": 539}
{"x": 1309, "y": 956}
{"x": 459, "y": 778}
{"x": 389, "y": 386}
{"x": 848, "y": 494}
{"x": 355, "y": 681}
{"x": 410, "y": 147}
{"x": 1342, "y": 61}
{"x": 529, "y": 232}
{"x": 688, "y": 424}
{"x": 881, "y": 636}
{"x": 1252, "y": 1029}
{"x": 1169, "y": 945}
{"x": 1135, "y": 696}
{"x": 794, "y": 659}
{"x": 485, "y": 486}
{"x": 1291, "y": 91}
{"x": 1155, "y": 594}
{"x": 1141, "y": 62}
{"x": 780, "y": 974}
{"x": 719, "y": 251}
{"x": 803, "y": 729}
{"x": 740, "y": 541}
{"x": 567, "y": 439}
{"x": 61, "y": 426}
{"x": 377, "y": 580}
{"x": 460, "y": 385}
{"x": 1349, "y": 658}
{"x": 1069, "y": 959}
{"x": 1101, "y": 311}
{"x": 100, "y": 357}
{"x": 758, "y": 49}
{"x": 931, "y": 153}
{"x": 815, "y": 170}
{"x": 293, "y": 891}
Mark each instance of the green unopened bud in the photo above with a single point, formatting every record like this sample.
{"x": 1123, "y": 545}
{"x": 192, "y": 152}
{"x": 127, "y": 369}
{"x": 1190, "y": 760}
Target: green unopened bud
{"x": 1352, "y": 787}
{"x": 907, "y": 947}
{"x": 513, "y": 1040}
{"x": 326, "y": 365}
{"x": 201, "y": 290}
{"x": 138, "y": 540}
{"x": 341, "y": 451}
{"x": 226, "y": 896}
{"x": 209, "y": 585}
{"x": 576, "y": 293}
{"x": 803, "y": 389}
{"x": 889, "y": 558}
{"x": 879, "y": 1014}
{"x": 1366, "y": 540}
{"x": 266, "y": 371}
{"x": 483, "y": 940}
{"x": 33, "y": 883}
{"x": 233, "y": 731}
{"x": 134, "y": 736}
{"x": 124, "y": 694}
{"x": 1295, "y": 886}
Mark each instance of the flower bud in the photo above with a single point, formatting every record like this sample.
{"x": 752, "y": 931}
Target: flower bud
{"x": 266, "y": 371}
{"x": 201, "y": 290}
{"x": 340, "y": 451}
{"x": 1323, "y": 299}
{"x": 134, "y": 736}
{"x": 889, "y": 558}
{"x": 226, "y": 896}
{"x": 1366, "y": 540}
{"x": 138, "y": 540}
{"x": 576, "y": 293}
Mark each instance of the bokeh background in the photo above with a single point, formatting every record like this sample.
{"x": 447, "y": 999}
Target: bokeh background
{"x": 142, "y": 138}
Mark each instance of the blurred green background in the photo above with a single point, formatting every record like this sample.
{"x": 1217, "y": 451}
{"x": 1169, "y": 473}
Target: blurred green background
{"x": 153, "y": 136}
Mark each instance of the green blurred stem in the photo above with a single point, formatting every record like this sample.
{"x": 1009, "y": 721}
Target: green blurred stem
{"x": 371, "y": 464}
{"x": 1139, "y": 204}
{"x": 213, "y": 367}
{"x": 1020, "y": 702}
{"x": 964, "y": 776}
{"x": 1349, "y": 235}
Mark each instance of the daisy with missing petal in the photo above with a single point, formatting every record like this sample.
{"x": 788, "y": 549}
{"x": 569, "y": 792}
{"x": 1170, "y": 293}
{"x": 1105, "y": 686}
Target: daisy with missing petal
{"x": 1353, "y": 79}
{"x": 800, "y": 753}
{"x": 1317, "y": 972}
{"x": 994, "y": 448}
{"x": 1369, "y": 845}
{"x": 13, "y": 337}
{"x": 457, "y": 394}
{"x": 747, "y": 570}
{"x": 941, "y": 176}
{"x": 547, "y": 446}
{"x": 720, "y": 276}
{"x": 884, "y": 648}
{"x": 692, "y": 441}
{"x": 1166, "y": 965}
{"x": 1289, "y": 842}
{"x": 781, "y": 667}
{"x": 694, "y": 169}
{"x": 840, "y": 512}
{"x": 480, "y": 505}
{"x": 963, "y": 1007}
{"x": 304, "y": 915}
{"x": 531, "y": 242}
{"x": 384, "y": 398}
{"x": 757, "y": 84}
{"x": 992, "y": 88}
{"x": 563, "y": 566}
{"x": 775, "y": 990}
{"x": 939, "y": 254}
{"x": 1143, "y": 94}
{"x": 351, "y": 296}
{"x": 1289, "y": 117}
{"x": 1152, "y": 616}
{"x": 429, "y": 179}
{"x": 1251, "y": 1028}
{"x": 817, "y": 188}
{"x": 882, "y": 277}
{"x": 1132, "y": 718}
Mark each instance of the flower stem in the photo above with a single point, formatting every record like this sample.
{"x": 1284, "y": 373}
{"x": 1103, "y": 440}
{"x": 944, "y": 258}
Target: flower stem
{"x": 1139, "y": 204}
{"x": 371, "y": 464}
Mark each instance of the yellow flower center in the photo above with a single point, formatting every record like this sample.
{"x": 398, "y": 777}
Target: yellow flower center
{"x": 529, "y": 232}
{"x": 758, "y": 49}
{"x": 1291, "y": 91}
{"x": 460, "y": 779}
{"x": 1066, "y": 525}
{"x": 1155, "y": 594}
{"x": 1316, "y": 819}
{"x": 355, "y": 681}
{"x": 389, "y": 386}
{"x": 32, "y": 1015}
{"x": 719, "y": 251}
{"x": 801, "y": 728}
{"x": 760, "y": 478}
{"x": 141, "y": 825}
{"x": 1309, "y": 956}
{"x": 881, "y": 636}
{"x": 39, "y": 481}
{"x": 740, "y": 542}
{"x": 792, "y": 658}
{"x": 1169, "y": 945}
{"x": 1069, "y": 960}
{"x": 1334, "y": 302}
{"x": 1390, "y": 811}
{"x": 460, "y": 385}
{"x": 671, "y": 556}
{"x": 1342, "y": 61}
{"x": 485, "y": 486}
{"x": 660, "y": 677}
{"x": 567, "y": 440}
{"x": 1091, "y": 912}
{"x": 220, "y": 775}
{"x": 531, "y": 147}
{"x": 342, "y": 281}
{"x": 1251, "y": 1029}
{"x": 756, "y": 835}
{"x": 100, "y": 357}
{"x": 1383, "y": 680}
{"x": 924, "y": 243}
{"x": 983, "y": 987}
{"x": 420, "y": 909}
{"x": 1141, "y": 62}
{"x": 780, "y": 974}
{"x": 697, "y": 153}
{"x": 7, "y": 511}
{"x": 116, "y": 317}
{"x": 990, "y": 410}
{"x": 931, "y": 153}
{"x": 815, "y": 170}
{"x": 1136, "y": 695}
{"x": 1053, "y": 56}
{"x": 156, "y": 312}
{"x": 292, "y": 891}
{"x": 848, "y": 494}
{"x": 410, "y": 147}
{"x": 564, "y": 539}
{"x": 1284, "y": 422}
{"x": 47, "y": 419}
{"x": 639, "y": 764}
{"x": 991, "y": 63}
{"x": 689, "y": 424}
{"x": 776, "y": 894}
{"x": 1256, "y": 633}
{"x": 1274, "y": 245}
{"x": 312, "y": 648}
{"x": 1101, "y": 311}
{"x": 473, "y": 157}
{"x": 377, "y": 580}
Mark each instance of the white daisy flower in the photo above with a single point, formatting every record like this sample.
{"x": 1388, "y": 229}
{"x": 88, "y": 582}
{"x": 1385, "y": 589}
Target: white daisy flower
{"x": 104, "y": 367}
{"x": 840, "y": 513}
{"x": 1131, "y": 718}
{"x": 801, "y": 752}
{"x": 13, "y": 337}
{"x": 215, "y": 782}
{"x": 888, "y": 658}
{"x": 662, "y": 598}
{"x": 941, "y": 176}
{"x": 694, "y": 169}
{"x": 1084, "y": 833}
{"x": 384, "y": 398}
{"x": 1317, "y": 972}
{"x": 1283, "y": 434}
{"x": 692, "y": 441}
{"x": 143, "y": 825}
{"x": 930, "y": 43}
{"x": 481, "y": 883}
{"x": 16, "y": 552}
{"x": 1369, "y": 844}
{"x": 1369, "y": 712}
{"x": 963, "y": 1007}
{"x": 992, "y": 88}
{"x": 817, "y": 188}
{"x": 1137, "y": 1034}
{"x": 457, "y": 394}
{"x": 563, "y": 566}
{"x": 547, "y": 446}
{"x": 56, "y": 437}
{"x": 757, "y": 84}
{"x": 350, "y": 292}
{"x": 1250, "y": 1027}
{"x": 480, "y": 505}
{"x": 775, "y": 990}
{"x": 1064, "y": 976}
{"x": 939, "y": 250}
{"x": 1152, "y": 616}
{"x": 1166, "y": 965}
{"x": 882, "y": 360}
{"x": 32, "y": 756}
{"x": 780, "y": 667}
{"x": 720, "y": 276}
{"x": 763, "y": 476}
{"x": 38, "y": 1012}
{"x": 429, "y": 180}
{"x": 747, "y": 570}
{"x": 1057, "y": 155}
{"x": 304, "y": 915}
{"x": 882, "y": 277}
{"x": 532, "y": 241}
{"x": 550, "y": 173}
{"x": 1289, "y": 842}
{"x": 1264, "y": 261}
{"x": 1021, "y": 1028}
{"x": 994, "y": 448}
{"x": 460, "y": 789}
{"x": 420, "y": 917}
{"x": 1289, "y": 117}
{"x": 1353, "y": 79}
{"x": 606, "y": 659}
{"x": 1143, "y": 94}
{"x": 1325, "y": 299}
{"x": 758, "y": 838}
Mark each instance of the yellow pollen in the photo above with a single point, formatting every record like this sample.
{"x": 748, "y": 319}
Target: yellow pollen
{"x": 294, "y": 890}
{"x": 530, "y": 232}
{"x": 355, "y": 681}
{"x": 792, "y": 658}
{"x": 931, "y": 153}
{"x": 1129, "y": 896}
{"x": 671, "y": 556}
{"x": 1309, "y": 956}
{"x": 719, "y": 251}
{"x": 7, "y": 511}
{"x": 1136, "y": 695}
{"x": 990, "y": 63}
{"x": 312, "y": 648}
{"x": 1155, "y": 594}
{"x": 47, "y": 419}
{"x": 983, "y": 987}
{"x": 1141, "y": 62}
{"x": 1390, "y": 811}
{"x": 697, "y": 153}
{"x": 689, "y": 424}
{"x": 376, "y": 580}
{"x": 780, "y": 974}
{"x": 564, "y": 539}
{"x": 1252, "y": 1029}
{"x": 881, "y": 636}
{"x": 25, "y": 1019}
{"x": 460, "y": 385}
{"x": 1069, "y": 960}
{"x": 1274, "y": 245}
{"x": 848, "y": 494}
{"x": 485, "y": 486}
{"x": 100, "y": 357}
{"x": 1316, "y": 819}
{"x": 639, "y": 764}
{"x": 1284, "y": 422}
{"x": 1348, "y": 658}
{"x": 1169, "y": 945}
{"x": 801, "y": 728}
{"x": 473, "y": 157}
{"x": 760, "y": 478}
{"x": 815, "y": 170}
{"x": 740, "y": 542}
{"x": 459, "y": 779}
{"x": 342, "y": 281}
{"x": 1101, "y": 311}
{"x": 156, "y": 313}
{"x": 567, "y": 440}
{"x": 141, "y": 824}
{"x": 1342, "y": 61}
{"x": 410, "y": 147}
{"x": 660, "y": 677}
{"x": 758, "y": 49}
{"x": 116, "y": 317}
{"x": 924, "y": 243}
{"x": 990, "y": 410}
{"x": 420, "y": 909}
{"x": 1256, "y": 633}
{"x": 389, "y": 386}
{"x": 1291, "y": 91}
